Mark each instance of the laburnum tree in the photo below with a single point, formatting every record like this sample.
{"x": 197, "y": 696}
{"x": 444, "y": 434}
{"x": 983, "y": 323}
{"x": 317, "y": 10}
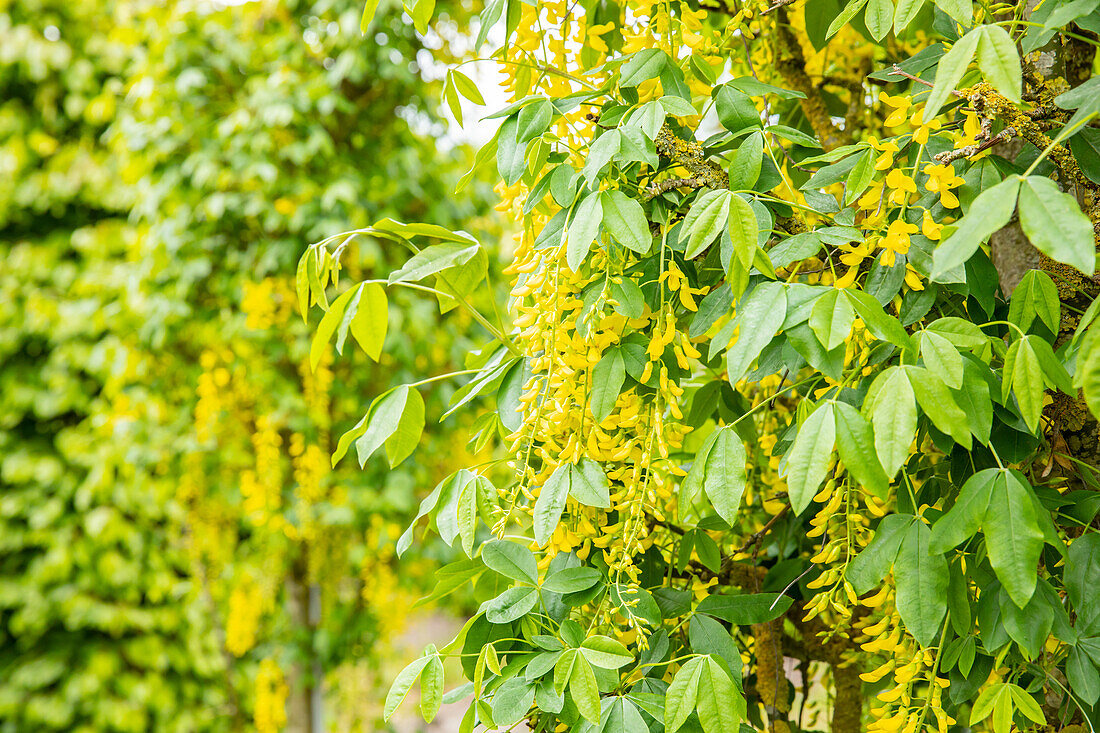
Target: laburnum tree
{"x": 794, "y": 396}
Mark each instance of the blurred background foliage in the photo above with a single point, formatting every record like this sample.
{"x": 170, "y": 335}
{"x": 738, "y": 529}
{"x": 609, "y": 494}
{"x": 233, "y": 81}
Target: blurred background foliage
{"x": 175, "y": 552}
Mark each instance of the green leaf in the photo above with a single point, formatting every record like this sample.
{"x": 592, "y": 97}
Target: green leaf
{"x": 1035, "y": 295}
{"x": 432, "y": 260}
{"x": 431, "y": 688}
{"x": 1055, "y": 224}
{"x": 466, "y": 87}
{"x": 1087, "y": 374}
{"x": 511, "y": 560}
{"x": 563, "y": 669}
{"x": 922, "y": 579}
{"x": 607, "y": 381}
{"x": 855, "y": 441}
{"x": 744, "y": 169}
{"x": 1082, "y": 577}
{"x": 550, "y": 503}
{"x": 808, "y": 459}
{"x": 682, "y": 694}
{"x": 404, "y": 681}
{"x": 704, "y": 221}
{"x": 736, "y": 110}
{"x": 950, "y": 70}
{"x": 602, "y": 150}
{"x": 582, "y": 687}
{"x": 467, "y": 516}
{"x": 677, "y": 107}
{"x": 1084, "y": 680}
{"x": 642, "y": 66}
{"x": 962, "y": 333}
{"x": 325, "y": 330}
{"x": 583, "y": 230}
{"x": 724, "y": 478}
{"x": 942, "y": 358}
{"x": 999, "y": 61}
{"x": 1054, "y": 373}
{"x": 510, "y": 605}
{"x": 708, "y": 636}
{"x": 881, "y": 325}
{"x": 1013, "y": 537}
{"x": 759, "y": 316}
{"x": 622, "y": 716}
{"x": 894, "y": 418}
{"x": 533, "y": 119}
{"x": 831, "y": 319}
{"x": 402, "y": 442}
{"x": 859, "y": 177}
{"x": 879, "y": 17}
{"x": 983, "y": 706}
{"x": 511, "y": 701}
{"x": 938, "y": 404}
{"x": 905, "y": 12}
{"x": 572, "y": 580}
{"x": 1026, "y": 704}
{"x": 962, "y": 11}
{"x": 369, "y": 9}
{"x": 974, "y": 400}
{"x": 964, "y": 519}
{"x": 721, "y": 706}
{"x": 511, "y": 153}
{"x": 743, "y": 229}
{"x": 795, "y": 136}
{"x": 382, "y": 420}
{"x": 871, "y": 565}
{"x": 745, "y": 609}
{"x": 844, "y": 17}
{"x": 392, "y": 228}
{"x": 605, "y": 652}
{"x": 371, "y": 320}
{"x": 588, "y": 484}
{"x": 421, "y": 13}
{"x": 625, "y": 221}
{"x": 1023, "y": 372}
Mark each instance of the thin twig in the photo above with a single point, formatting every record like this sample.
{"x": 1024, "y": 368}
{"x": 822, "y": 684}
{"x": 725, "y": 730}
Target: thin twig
{"x": 756, "y": 537}
{"x": 970, "y": 151}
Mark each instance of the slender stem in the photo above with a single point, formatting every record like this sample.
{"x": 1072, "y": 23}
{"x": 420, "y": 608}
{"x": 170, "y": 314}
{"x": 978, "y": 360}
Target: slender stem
{"x": 935, "y": 668}
{"x": 1063, "y": 31}
{"x": 440, "y": 377}
{"x": 1005, "y": 323}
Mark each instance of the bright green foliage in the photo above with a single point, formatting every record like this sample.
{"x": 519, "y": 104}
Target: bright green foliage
{"x": 168, "y": 503}
{"x": 97, "y": 631}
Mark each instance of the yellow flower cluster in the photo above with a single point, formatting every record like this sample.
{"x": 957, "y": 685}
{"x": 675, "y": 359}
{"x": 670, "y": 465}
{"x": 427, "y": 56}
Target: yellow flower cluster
{"x": 916, "y": 697}
{"x": 243, "y": 620}
{"x": 268, "y": 304}
{"x": 262, "y": 489}
{"x": 269, "y": 710}
{"x": 381, "y": 591}
{"x": 844, "y": 530}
